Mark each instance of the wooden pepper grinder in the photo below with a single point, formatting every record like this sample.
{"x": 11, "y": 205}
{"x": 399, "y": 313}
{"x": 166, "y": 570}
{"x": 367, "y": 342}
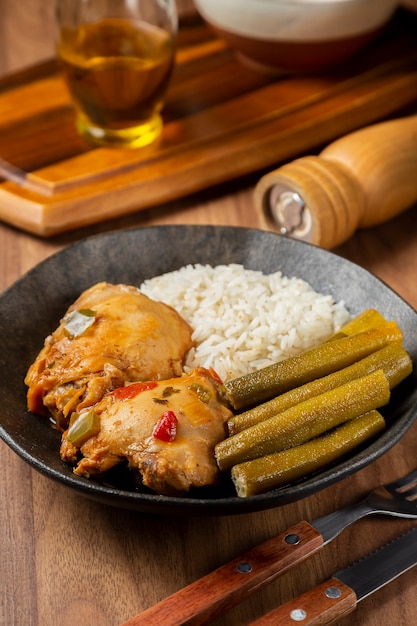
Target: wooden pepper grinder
{"x": 360, "y": 180}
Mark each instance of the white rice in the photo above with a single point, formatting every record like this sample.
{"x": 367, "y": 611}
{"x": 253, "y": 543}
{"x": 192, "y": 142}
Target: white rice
{"x": 244, "y": 320}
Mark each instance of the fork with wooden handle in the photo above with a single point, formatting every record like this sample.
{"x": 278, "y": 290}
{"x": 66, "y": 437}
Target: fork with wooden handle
{"x": 211, "y": 596}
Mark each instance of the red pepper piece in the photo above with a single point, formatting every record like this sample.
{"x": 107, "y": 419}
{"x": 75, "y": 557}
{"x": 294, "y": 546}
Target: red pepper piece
{"x": 166, "y": 427}
{"x": 215, "y": 375}
{"x": 130, "y": 391}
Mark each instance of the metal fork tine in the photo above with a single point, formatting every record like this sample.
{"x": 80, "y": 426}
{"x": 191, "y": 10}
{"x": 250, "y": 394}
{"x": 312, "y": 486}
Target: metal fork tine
{"x": 410, "y": 494}
{"x": 402, "y": 484}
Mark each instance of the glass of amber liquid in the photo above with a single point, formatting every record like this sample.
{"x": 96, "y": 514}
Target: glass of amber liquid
{"x": 117, "y": 58}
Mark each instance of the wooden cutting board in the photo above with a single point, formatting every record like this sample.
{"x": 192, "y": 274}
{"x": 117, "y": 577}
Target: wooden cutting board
{"x": 222, "y": 120}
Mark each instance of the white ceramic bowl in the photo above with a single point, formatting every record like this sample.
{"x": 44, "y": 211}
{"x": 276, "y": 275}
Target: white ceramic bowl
{"x": 297, "y": 34}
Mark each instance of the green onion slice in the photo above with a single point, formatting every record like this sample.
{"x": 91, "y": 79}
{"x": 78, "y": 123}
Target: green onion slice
{"x": 84, "y": 426}
{"x": 77, "y": 322}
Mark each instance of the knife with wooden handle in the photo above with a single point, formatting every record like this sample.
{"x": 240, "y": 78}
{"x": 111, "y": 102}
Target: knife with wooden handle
{"x": 361, "y": 180}
{"x": 339, "y": 596}
{"x": 220, "y": 590}
{"x": 325, "y": 604}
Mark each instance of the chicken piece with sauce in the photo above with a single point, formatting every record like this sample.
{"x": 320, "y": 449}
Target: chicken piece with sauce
{"x": 166, "y": 430}
{"x": 112, "y": 334}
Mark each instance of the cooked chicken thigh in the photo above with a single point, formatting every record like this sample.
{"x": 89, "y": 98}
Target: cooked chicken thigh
{"x": 111, "y": 335}
{"x": 166, "y": 430}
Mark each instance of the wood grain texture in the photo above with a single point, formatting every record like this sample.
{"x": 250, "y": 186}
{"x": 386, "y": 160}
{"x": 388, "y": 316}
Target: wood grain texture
{"x": 217, "y": 592}
{"x": 222, "y": 120}
{"x": 315, "y": 606}
{"x": 33, "y": 20}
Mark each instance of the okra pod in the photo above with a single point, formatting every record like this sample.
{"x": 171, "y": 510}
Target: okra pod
{"x": 326, "y": 358}
{"x": 393, "y": 359}
{"x": 275, "y": 470}
{"x": 306, "y": 420}
{"x": 370, "y": 318}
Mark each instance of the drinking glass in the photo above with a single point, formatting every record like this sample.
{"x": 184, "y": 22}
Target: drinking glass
{"x": 117, "y": 58}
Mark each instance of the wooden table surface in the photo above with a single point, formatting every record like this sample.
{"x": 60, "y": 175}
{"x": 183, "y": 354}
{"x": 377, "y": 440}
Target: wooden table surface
{"x": 66, "y": 560}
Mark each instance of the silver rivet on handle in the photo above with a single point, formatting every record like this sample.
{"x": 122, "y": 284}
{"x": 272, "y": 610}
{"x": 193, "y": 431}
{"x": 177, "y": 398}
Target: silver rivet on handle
{"x": 298, "y": 615}
{"x": 244, "y": 567}
{"x": 333, "y": 593}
